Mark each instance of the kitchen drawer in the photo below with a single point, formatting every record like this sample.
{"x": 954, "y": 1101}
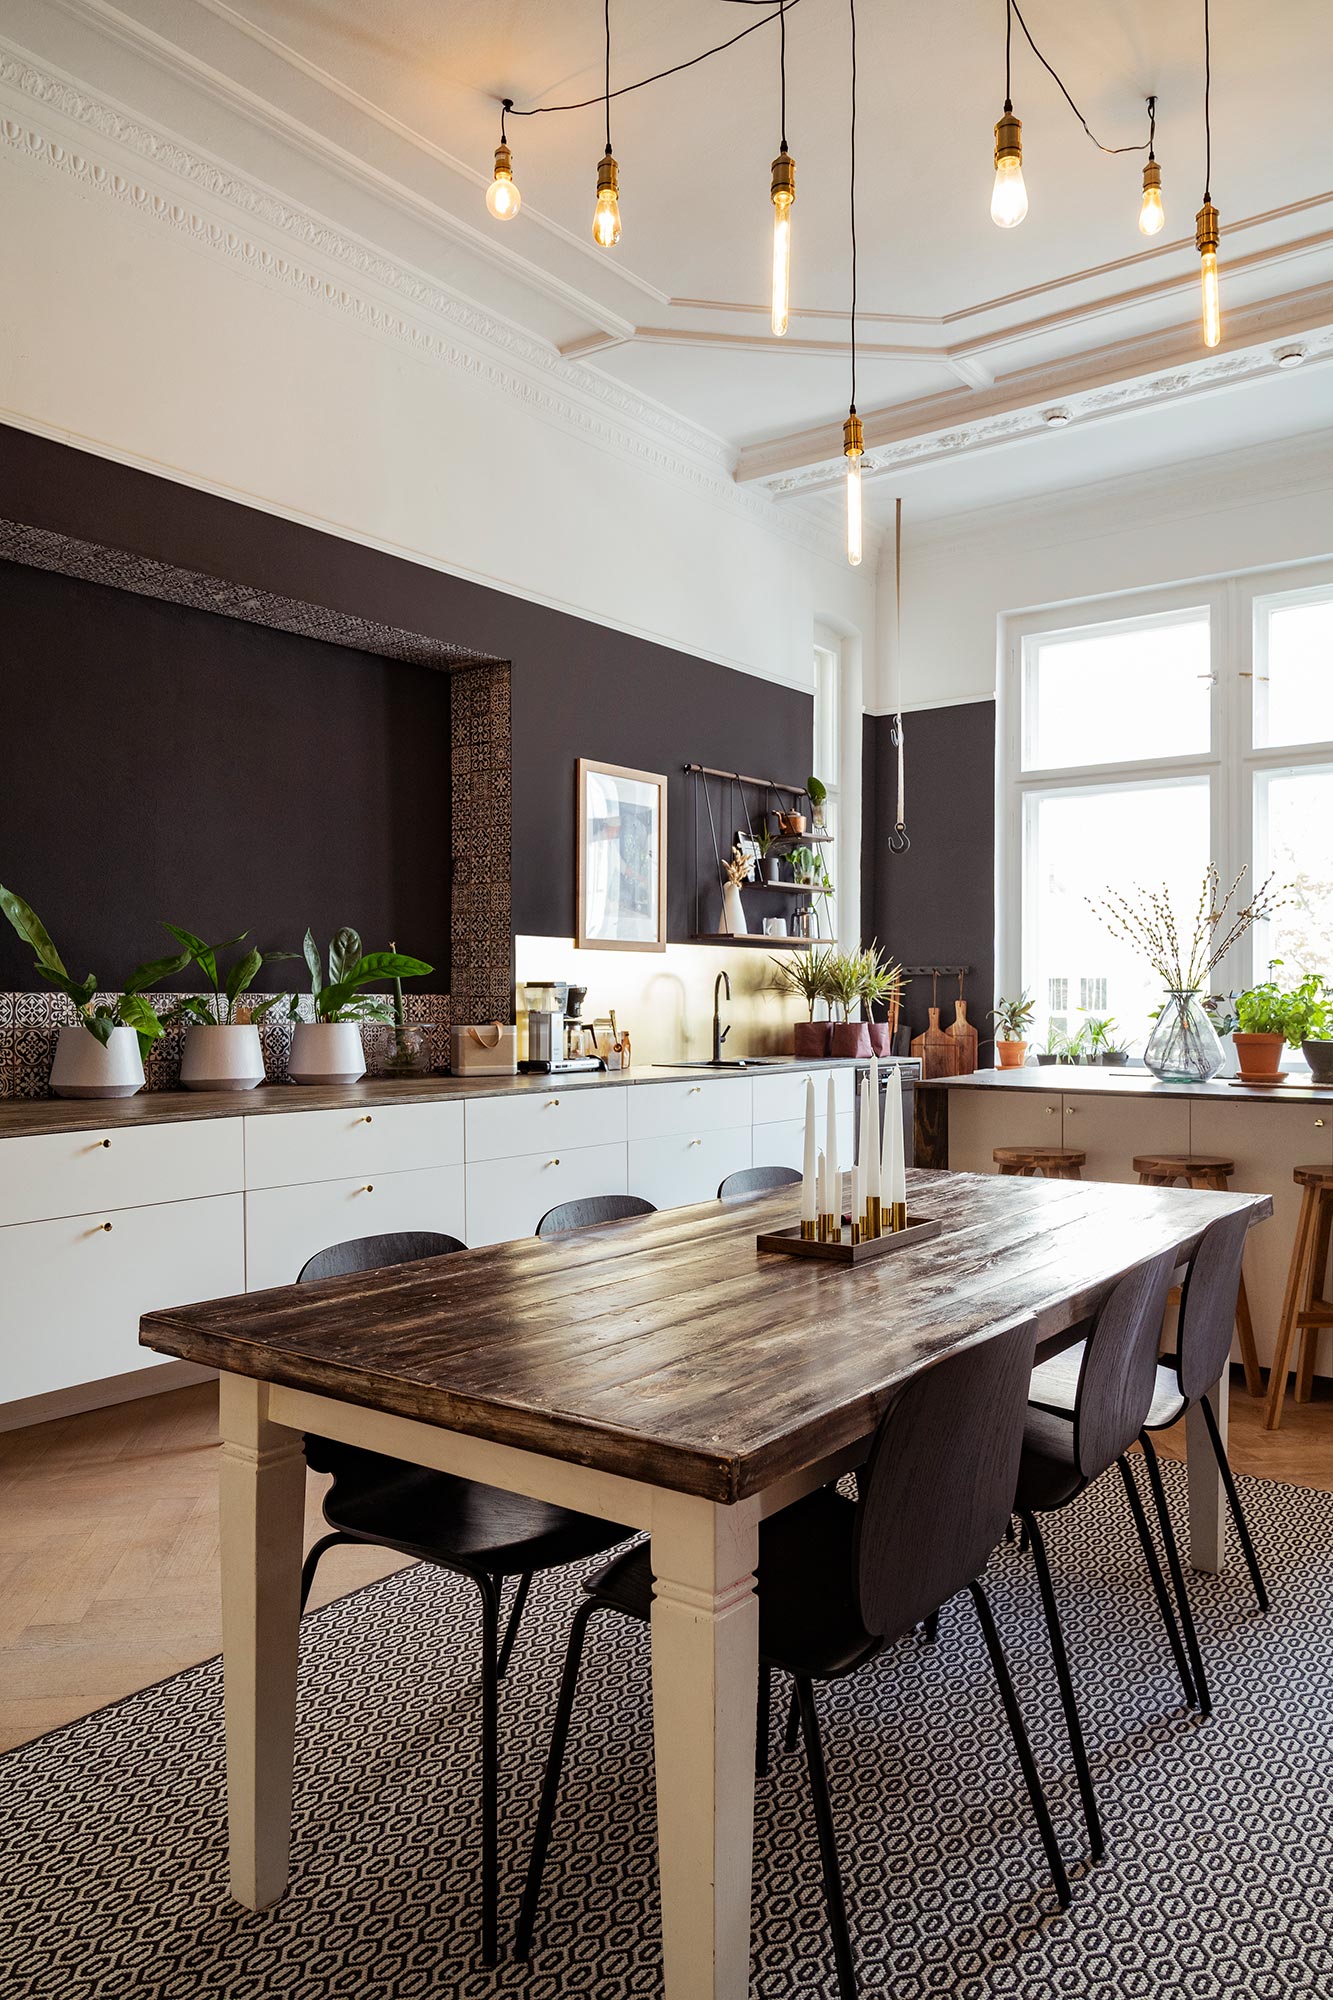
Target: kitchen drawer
{"x": 285, "y": 1148}
{"x": 980, "y": 1120}
{"x": 72, "y": 1290}
{"x": 782, "y": 1144}
{"x": 546, "y": 1121}
{"x": 712, "y": 1105}
{"x": 508, "y": 1198}
{"x": 781, "y": 1097}
{"x": 285, "y": 1226}
{"x": 1111, "y": 1130}
{"x": 677, "y": 1168}
{"x": 72, "y": 1173}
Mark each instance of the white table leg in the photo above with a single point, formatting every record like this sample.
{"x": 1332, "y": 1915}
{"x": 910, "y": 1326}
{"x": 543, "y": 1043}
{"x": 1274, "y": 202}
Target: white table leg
{"x": 705, "y": 1635}
{"x": 263, "y": 1506}
{"x": 1208, "y": 1506}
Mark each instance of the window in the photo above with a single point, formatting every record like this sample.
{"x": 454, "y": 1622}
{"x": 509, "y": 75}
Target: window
{"x": 1138, "y": 742}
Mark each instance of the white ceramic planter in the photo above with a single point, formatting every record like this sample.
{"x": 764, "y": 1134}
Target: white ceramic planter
{"x": 84, "y": 1067}
{"x": 326, "y": 1052}
{"x": 222, "y": 1058}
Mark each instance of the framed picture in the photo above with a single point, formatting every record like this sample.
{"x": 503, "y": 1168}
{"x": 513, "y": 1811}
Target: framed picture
{"x": 622, "y": 858}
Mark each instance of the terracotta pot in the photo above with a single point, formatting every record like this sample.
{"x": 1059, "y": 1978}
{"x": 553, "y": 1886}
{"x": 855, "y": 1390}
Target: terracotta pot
{"x": 881, "y": 1038}
{"x": 1259, "y": 1055}
{"x": 810, "y": 1040}
{"x": 1011, "y": 1055}
{"x": 849, "y": 1038}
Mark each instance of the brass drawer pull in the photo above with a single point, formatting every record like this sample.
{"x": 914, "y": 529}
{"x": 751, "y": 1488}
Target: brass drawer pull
{"x": 369, "y": 1188}
{"x": 106, "y": 1144}
{"x": 553, "y": 1163}
{"x": 105, "y": 1229}
{"x": 367, "y": 1120}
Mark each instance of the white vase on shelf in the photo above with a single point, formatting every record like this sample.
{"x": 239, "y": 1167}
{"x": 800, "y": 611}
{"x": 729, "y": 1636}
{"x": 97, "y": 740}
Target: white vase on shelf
{"x": 733, "y": 912}
{"x": 85, "y": 1067}
{"x": 326, "y": 1052}
{"x": 222, "y": 1058}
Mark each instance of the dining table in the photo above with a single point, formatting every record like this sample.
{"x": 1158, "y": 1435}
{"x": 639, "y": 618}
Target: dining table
{"x": 665, "y": 1373}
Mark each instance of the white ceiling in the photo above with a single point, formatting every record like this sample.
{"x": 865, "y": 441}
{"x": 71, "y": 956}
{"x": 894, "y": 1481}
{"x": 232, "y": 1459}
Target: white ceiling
{"x": 385, "y": 117}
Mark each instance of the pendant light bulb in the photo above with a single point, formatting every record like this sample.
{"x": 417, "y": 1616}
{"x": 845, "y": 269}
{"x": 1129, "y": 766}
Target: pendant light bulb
{"x": 1207, "y": 234}
{"x": 1009, "y": 196}
{"x": 606, "y": 216}
{"x": 853, "y": 446}
{"x": 1151, "y": 213}
{"x": 502, "y": 196}
{"x": 784, "y": 194}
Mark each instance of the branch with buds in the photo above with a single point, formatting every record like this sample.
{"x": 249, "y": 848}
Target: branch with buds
{"x": 1145, "y": 919}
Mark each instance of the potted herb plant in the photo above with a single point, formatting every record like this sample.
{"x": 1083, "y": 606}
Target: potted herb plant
{"x": 101, "y": 1054}
{"x": 770, "y": 863}
{"x": 1104, "y": 1044}
{"x": 1316, "y": 1046}
{"x": 806, "y": 973}
{"x": 1012, "y": 1020}
{"x": 1269, "y": 1018}
{"x": 843, "y": 982}
{"x": 328, "y": 1049}
{"x": 222, "y": 1049}
{"x": 881, "y": 985}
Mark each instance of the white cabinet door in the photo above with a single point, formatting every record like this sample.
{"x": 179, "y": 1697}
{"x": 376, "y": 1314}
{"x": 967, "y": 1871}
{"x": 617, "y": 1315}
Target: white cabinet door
{"x": 72, "y": 1290}
{"x": 1111, "y": 1130}
{"x": 508, "y": 1198}
{"x": 783, "y": 1144}
{"x": 72, "y": 1173}
{"x": 780, "y": 1096}
{"x": 689, "y": 1166}
{"x": 546, "y": 1120}
{"x": 715, "y": 1105}
{"x": 285, "y": 1226}
{"x": 1266, "y": 1141}
{"x": 980, "y": 1120}
{"x": 283, "y": 1148}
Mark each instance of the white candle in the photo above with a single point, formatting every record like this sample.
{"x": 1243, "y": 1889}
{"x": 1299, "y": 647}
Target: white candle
{"x": 821, "y": 1179}
{"x": 809, "y": 1192}
{"x": 873, "y": 1178}
{"x": 859, "y": 1164}
{"x": 893, "y": 1121}
{"x": 831, "y": 1142}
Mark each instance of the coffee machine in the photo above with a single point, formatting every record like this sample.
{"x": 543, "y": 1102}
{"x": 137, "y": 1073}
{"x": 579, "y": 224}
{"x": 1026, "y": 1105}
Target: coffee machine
{"x": 555, "y": 1028}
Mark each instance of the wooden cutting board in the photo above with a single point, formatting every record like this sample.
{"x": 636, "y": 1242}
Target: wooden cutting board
{"x": 964, "y": 1035}
{"x": 939, "y": 1052}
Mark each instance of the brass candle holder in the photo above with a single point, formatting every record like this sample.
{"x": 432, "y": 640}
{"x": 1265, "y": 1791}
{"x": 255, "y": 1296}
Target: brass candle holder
{"x": 873, "y": 1225}
{"x": 809, "y": 1231}
{"x": 897, "y": 1215}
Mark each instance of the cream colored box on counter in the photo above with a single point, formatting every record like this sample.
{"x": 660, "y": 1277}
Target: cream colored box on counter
{"x": 490, "y": 1050}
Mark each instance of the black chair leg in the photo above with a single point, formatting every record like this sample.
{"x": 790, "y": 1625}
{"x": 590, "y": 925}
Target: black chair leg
{"x": 1233, "y": 1501}
{"x": 555, "y": 1757}
{"x": 1073, "y": 1722}
{"x": 930, "y": 1626}
{"x": 828, "y": 1849}
{"x": 490, "y": 1770}
{"x": 1158, "y": 1584}
{"x": 311, "y": 1563}
{"x": 511, "y": 1628}
{"x": 793, "y": 1722}
{"x": 1031, "y": 1776}
{"x": 1177, "y": 1575}
{"x": 761, "y": 1730}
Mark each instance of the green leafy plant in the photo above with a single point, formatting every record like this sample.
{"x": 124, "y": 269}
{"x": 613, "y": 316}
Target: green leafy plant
{"x": 1298, "y": 1013}
{"x": 129, "y": 1010}
{"x": 339, "y": 997}
{"x": 816, "y": 792}
{"x": 1013, "y": 1018}
{"x": 1103, "y": 1037}
{"x": 843, "y": 980}
{"x": 804, "y": 973}
{"x": 217, "y": 1008}
{"x": 1220, "y": 1009}
{"x": 1065, "y": 1047}
{"x": 880, "y": 978}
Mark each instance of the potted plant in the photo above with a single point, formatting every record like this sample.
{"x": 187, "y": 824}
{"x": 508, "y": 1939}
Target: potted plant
{"x": 881, "y": 985}
{"x": 222, "y": 1050}
{"x": 770, "y": 863}
{"x": 845, "y": 976}
{"x": 817, "y": 792}
{"x": 806, "y": 973}
{"x": 101, "y": 1054}
{"x": 803, "y": 867}
{"x": 1269, "y": 1017}
{"x": 328, "y": 1049}
{"x": 1104, "y": 1044}
{"x": 1061, "y": 1046}
{"x": 1316, "y": 1046}
{"x": 1012, "y": 1020}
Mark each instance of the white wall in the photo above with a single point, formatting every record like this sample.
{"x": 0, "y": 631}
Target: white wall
{"x": 1234, "y": 511}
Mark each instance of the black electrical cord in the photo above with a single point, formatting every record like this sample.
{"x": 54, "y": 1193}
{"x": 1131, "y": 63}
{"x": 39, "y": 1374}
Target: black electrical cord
{"x": 1014, "y": 8}
{"x": 1152, "y": 127}
{"x": 1008, "y": 54}
{"x": 607, "y": 94}
{"x": 782, "y": 70}
{"x": 775, "y": 13}
{"x": 1207, "y": 115}
{"x": 852, "y": 192}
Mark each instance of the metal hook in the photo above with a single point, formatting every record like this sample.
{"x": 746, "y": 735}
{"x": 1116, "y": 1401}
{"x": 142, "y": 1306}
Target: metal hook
{"x": 898, "y": 842}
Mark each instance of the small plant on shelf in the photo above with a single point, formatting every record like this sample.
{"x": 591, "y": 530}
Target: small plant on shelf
{"x": 341, "y": 998}
{"x": 1012, "y": 1020}
{"x": 1270, "y": 1015}
{"x": 224, "y": 1004}
{"x": 804, "y": 973}
{"x": 817, "y": 793}
{"x": 1106, "y": 1045}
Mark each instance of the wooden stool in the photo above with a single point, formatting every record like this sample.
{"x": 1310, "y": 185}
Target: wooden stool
{"x": 1303, "y": 1303}
{"x": 1212, "y": 1172}
{"x": 1057, "y": 1163}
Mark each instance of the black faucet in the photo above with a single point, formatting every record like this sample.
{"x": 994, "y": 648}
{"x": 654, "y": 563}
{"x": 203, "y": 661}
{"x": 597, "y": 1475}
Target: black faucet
{"x": 719, "y": 1032}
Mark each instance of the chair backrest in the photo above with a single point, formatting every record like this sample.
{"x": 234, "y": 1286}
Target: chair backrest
{"x": 756, "y": 1180}
{"x": 592, "y": 1209}
{"x": 939, "y": 1486}
{"x": 1119, "y": 1372}
{"x": 1208, "y": 1304}
{"x": 372, "y": 1253}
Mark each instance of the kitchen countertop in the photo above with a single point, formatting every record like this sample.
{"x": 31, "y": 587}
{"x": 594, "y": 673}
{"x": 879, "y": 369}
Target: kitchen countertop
{"x": 30, "y": 1117}
{"x": 1072, "y": 1079}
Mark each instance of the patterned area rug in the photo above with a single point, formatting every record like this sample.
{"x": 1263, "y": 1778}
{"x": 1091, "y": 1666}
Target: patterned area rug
{"x": 1220, "y": 1833}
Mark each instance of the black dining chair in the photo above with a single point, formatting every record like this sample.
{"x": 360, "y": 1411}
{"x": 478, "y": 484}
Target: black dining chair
{"x": 475, "y": 1531}
{"x": 592, "y": 1209}
{"x": 1070, "y": 1442}
{"x": 841, "y": 1580}
{"x": 756, "y": 1180}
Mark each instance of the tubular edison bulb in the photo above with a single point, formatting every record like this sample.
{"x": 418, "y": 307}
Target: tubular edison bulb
{"x": 502, "y": 197}
{"x": 1206, "y": 236}
{"x": 1151, "y": 214}
{"x": 1009, "y": 196}
{"x": 606, "y": 217}
{"x": 784, "y": 194}
{"x": 853, "y": 445}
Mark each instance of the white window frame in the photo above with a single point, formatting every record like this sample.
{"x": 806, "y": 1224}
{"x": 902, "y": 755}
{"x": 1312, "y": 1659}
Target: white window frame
{"x": 1230, "y": 764}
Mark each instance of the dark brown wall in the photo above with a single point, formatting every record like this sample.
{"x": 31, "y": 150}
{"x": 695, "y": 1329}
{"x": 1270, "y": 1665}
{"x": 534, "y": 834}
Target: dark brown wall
{"x": 935, "y": 905}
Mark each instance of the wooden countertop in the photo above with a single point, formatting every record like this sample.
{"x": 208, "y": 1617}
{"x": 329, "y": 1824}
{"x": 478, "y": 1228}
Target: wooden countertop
{"x": 1074, "y": 1079}
{"x": 29, "y": 1117}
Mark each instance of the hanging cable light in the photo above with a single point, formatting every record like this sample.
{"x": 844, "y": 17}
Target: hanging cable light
{"x": 1151, "y": 213}
{"x": 1009, "y": 196}
{"x": 1207, "y": 230}
{"x": 784, "y": 194}
{"x": 502, "y": 197}
{"x": 606, "y": 216}
{"x": 853, "y": 437}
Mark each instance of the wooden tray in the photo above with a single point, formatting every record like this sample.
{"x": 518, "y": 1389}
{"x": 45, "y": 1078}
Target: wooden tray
{"x": 793, "y": 1244}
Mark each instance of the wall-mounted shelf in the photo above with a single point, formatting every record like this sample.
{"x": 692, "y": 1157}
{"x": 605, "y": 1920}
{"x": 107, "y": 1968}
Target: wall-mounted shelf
{"x": 789, "y": 888}
{"x": 732, "y": 804}
{"x": 751, "y": 942}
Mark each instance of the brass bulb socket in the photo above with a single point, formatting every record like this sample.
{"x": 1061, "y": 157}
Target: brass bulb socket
{"x": 1207, "y": 229}
{"x": 1152, "y": 176}
{"x": 1008, "y": 138}
{"x": 504, "y": 163}
{"x": 784, "y": 179}
{"x": 608, "y": 175}
{"x": 853, "y": 437}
